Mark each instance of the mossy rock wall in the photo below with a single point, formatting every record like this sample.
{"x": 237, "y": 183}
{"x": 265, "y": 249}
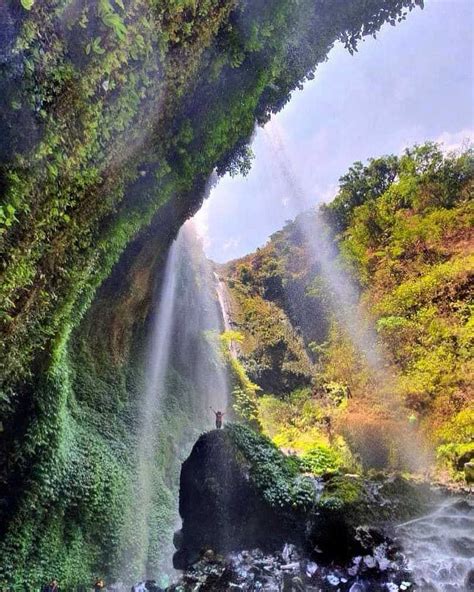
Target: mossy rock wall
{"x": 113, "y": 117}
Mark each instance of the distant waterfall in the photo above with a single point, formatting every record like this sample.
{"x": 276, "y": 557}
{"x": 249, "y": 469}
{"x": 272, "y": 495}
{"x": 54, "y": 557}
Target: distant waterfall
{"x": 224, "y": 303}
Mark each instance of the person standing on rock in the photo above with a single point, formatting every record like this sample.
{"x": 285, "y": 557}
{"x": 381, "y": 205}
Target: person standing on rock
{"x": 219, "y": 415}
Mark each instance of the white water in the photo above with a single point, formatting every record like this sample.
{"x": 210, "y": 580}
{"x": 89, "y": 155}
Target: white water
{"x": 225, "y": 306}
{"x": 440, "y": 547}
{"x": 201, "y": 323}
{"x": 156, "y": 371}
{"x": 183, "y": 346}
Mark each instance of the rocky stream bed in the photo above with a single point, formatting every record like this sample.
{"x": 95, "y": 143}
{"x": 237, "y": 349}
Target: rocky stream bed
{"x": 420, "y": 557}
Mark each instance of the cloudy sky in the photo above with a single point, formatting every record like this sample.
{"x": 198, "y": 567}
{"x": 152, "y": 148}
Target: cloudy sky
{"x": 413, "y": 83}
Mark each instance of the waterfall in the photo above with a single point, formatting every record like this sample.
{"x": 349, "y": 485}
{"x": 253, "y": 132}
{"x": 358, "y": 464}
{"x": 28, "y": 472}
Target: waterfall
{"x": 225, "y": 307}
{"x": 345, "y": 305}
{"x": 184, "y": 375}
{"x": 325, "y": 253}
{"x": 156, "y": 368}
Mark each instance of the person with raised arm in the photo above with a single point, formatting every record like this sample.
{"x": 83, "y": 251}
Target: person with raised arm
{"x": 219, "y": 415}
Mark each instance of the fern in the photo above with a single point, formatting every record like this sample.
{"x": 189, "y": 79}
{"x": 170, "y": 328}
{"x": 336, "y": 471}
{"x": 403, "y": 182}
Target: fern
{"x": 111, "y": 19}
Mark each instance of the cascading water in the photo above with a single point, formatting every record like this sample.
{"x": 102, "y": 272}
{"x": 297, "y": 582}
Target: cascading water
{"x": 184, "y": 376}
{"x": 224, "y": 303}
{"x": 135, "y": 559}
{"x": 345, "y": 306}
{"x": 440, "y": 547}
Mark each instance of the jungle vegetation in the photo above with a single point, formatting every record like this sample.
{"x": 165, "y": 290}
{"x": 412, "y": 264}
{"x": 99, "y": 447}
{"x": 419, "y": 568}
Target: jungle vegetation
{"x": 113, "y": 116}
{"x": 403, "y": 229}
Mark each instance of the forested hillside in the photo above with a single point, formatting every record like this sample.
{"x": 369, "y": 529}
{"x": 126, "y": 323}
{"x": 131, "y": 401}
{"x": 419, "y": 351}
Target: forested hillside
{"x": 403, "y": 228}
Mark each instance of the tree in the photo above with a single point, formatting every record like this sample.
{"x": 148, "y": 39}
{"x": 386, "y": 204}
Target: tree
{"x": 360, "y": 185}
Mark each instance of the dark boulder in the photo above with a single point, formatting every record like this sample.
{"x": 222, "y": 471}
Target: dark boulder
{"x": 238, "y": 491}
{"x": 221, "y": 506}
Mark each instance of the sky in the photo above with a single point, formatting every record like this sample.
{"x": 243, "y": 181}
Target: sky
{"x": 415, "y": 82}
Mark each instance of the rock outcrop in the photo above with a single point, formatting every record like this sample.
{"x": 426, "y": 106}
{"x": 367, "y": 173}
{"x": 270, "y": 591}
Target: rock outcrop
{"x": 222, "y": 507}
{"x": 238, "y": 491}
{"x": 253, "y": 521}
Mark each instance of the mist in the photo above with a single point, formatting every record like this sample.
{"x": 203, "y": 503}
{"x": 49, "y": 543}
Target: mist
{"x": 409, "y": 450}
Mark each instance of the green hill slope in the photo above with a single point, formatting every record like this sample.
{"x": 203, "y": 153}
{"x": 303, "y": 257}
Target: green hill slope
{"x": 403, "y": 227}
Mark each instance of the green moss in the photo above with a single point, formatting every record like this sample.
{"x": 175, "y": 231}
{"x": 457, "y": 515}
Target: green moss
{"x": 117, "y": 116}
{"x": 276, "y": 476}
{"x": 341, "y": 492}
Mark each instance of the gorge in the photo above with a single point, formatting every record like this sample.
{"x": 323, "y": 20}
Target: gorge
{"x": 117, "y": 118}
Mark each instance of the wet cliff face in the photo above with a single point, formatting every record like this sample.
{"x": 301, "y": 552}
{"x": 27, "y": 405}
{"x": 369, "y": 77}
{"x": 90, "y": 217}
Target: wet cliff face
{"x": 113, "y": 117}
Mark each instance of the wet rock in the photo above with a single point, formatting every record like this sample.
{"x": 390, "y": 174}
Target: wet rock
{"x": 293, "y": 584}
{"x": 464, "y": 458}
{"x": 469, "y": 581}
{"x": 357, "y": 587}
{"x": 254, "y": 570}
{"x": 221, "y": 507}
{"x": 311, "y": 569}
{"x": 469, "y": 471}
{"x": 178, "y": 539}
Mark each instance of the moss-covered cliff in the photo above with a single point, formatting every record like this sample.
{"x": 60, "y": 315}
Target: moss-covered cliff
{"x": 113, "y": 116}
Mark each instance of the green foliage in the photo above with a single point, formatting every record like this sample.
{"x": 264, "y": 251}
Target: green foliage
{"x": 95, "y": 47}
{"x": 321, "y": 459}
{"x": 111, "y": 19}
{"x": 409, "y": 245}
{"x": 340, "y": 492}
{"x": 274, "y": 474}
{"x": 59, "y": 525}
{"x": 456, "y": 439}
{"x": 361, "y": 185}
{"x": 296, "y": 422}
{"x": 120, "y": 115}
{"x": 27, "y": 4}
{"x": 244, "y": 394}
{"x": 403, "y": 226}
{"x": 460, "y": 429}
{"x": 274, "y": 354}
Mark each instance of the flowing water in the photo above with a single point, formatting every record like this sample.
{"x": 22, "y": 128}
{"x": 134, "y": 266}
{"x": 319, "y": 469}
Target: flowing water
{"x": 226, "y": 311}
{"x": 156, "y": 372}
{"x": 440, "y": 547}
{"x": 184, "y": 376}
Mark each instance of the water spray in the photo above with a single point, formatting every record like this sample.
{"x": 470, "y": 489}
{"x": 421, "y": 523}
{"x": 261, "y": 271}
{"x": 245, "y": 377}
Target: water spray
{"x": 346, "y": 307}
